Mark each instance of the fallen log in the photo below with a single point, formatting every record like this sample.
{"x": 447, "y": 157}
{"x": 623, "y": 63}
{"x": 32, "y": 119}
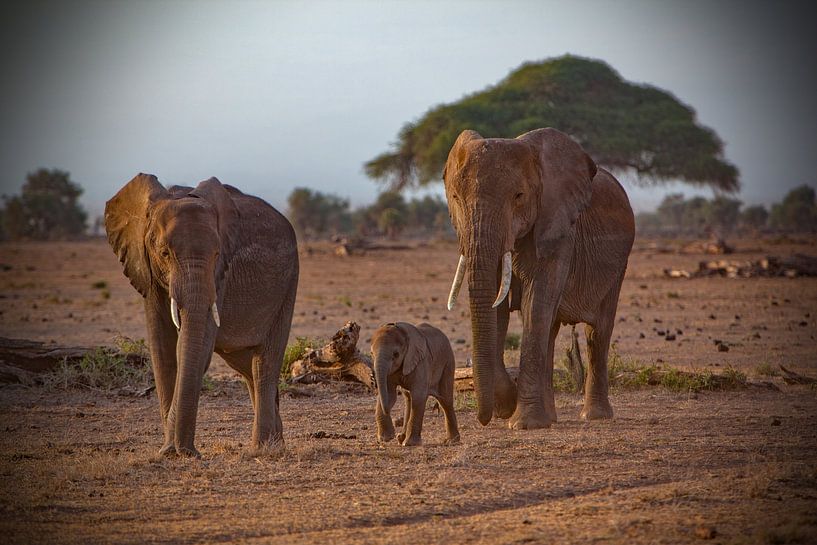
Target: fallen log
{"x": 35, "y": 356}
{"x": 790, "y": 377}
{"x": 337, "y": 360}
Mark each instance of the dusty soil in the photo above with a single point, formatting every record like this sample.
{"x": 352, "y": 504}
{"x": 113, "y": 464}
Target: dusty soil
{"x": 731, "y": 467}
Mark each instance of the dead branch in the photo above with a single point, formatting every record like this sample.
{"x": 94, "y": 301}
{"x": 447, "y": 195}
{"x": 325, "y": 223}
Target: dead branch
{"x": 337, "y": 360}
{"x": 790, "y": 377}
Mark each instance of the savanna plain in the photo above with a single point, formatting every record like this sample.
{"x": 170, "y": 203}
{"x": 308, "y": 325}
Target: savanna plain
{"x": 679, "y": 463}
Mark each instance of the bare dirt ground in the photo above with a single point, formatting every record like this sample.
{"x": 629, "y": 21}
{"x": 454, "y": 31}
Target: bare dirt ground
{"x": 729, "y": 467}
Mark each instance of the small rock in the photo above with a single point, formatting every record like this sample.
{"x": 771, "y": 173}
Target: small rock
{"x": 661, "y": 332}
{"x": 723, "y": 348}
{"x": 775, "y": 421}
{"x": 712, "y": 317}
{"x": 653, "y": 420}
{"x": 670, "y": 337}
{"x": 641, "y": 336}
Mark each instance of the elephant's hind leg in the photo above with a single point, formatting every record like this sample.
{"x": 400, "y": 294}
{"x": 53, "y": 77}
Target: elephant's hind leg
{"x": 452, "y": 432}
{"x": 241, "y": 361}
{"x": 596, "y": 385}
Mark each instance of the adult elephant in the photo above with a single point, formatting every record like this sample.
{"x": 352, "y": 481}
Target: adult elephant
{"x": 535, "y": 218}
{"x": 218, "y": 270}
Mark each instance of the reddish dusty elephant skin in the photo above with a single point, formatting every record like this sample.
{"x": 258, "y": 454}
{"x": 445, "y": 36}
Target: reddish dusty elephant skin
{"x": 535, "y": 217}
{"x": 218, "y": 271}
{"x": 419, "y": 359}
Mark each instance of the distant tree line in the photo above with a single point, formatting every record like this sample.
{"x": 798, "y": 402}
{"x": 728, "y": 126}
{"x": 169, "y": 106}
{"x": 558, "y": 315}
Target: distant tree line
{"x": 724, "y": 215}
{"x": 47, "y": 208}
{"x": 315, "y": 215}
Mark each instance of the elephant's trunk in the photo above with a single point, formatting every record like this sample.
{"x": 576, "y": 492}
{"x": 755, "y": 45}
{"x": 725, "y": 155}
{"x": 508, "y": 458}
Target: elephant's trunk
{"x": 382, "y": 369}
{"x": 484, "y": 249}
{"x": 194, "y": 292}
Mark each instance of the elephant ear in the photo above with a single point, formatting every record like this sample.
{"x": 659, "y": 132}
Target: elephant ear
{"x": 566, "y": 174}
{"x": 416, "y": 348}
{"x": 126, "y": 218}
{"x": 456, "y": 157}
{"x": 219, "y": 197}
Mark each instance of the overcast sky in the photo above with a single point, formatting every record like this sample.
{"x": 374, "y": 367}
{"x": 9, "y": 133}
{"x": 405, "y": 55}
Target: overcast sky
{"x": 268, "y": 96}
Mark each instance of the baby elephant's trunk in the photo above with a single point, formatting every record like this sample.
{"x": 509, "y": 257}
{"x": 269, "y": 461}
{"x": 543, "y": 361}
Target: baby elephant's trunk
{"x": 382, "y": 368}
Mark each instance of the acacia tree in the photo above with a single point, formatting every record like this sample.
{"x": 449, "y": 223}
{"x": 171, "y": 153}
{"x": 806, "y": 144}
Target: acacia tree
{"x": 47, "y": 209}
{"x": 623, "y": 126}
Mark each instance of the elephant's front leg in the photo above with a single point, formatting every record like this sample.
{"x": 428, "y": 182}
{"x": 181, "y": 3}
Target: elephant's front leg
{"x": 535, "y": 407}
{"x": 385, "y": 425}
{"x": 406, "y": 417}
{"x": 267, "y": 430}
{"x": 162, "y": 338}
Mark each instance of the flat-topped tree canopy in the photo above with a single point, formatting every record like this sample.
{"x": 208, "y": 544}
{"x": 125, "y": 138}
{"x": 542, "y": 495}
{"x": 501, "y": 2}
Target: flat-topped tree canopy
{"x": 622, "y": 125}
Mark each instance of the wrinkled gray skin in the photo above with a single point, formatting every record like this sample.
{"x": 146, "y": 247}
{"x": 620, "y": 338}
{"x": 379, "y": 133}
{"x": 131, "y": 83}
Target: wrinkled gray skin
{"x": 570, "y": 229}
{"x": 419, "y": 360}
{"x": 211, "y": 244}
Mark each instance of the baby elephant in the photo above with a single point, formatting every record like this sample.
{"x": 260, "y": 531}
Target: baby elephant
{"x": 419, "y": 360}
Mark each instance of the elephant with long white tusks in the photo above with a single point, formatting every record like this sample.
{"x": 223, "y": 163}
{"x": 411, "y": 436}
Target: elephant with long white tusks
{"x": 544, "y": 231}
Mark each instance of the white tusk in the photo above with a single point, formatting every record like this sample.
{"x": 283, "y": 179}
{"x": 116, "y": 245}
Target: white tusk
{"x": 506, "y": 280}
{"x": 174, "y": 313}
{"x": 214, "y": 308}
{"x": 455, "y": 287}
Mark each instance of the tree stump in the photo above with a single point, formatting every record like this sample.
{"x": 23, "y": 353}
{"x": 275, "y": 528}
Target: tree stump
{"x": 337, "y": 360}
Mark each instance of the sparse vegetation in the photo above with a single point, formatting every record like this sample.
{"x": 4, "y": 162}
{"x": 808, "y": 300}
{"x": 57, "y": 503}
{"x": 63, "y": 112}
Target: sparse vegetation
{"x": 465, "y": 401}
{"x": 513, "y": 341}
{"x": 101, "y": 369}
{"x": 99, "y": 285}
{"x": 296, "y": 351}
{"x": 766, "y": 370}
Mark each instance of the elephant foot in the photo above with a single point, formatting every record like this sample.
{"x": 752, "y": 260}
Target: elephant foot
{"x": 401, "y": 437}
{"x": 385, "y": 437}
{"x": 168, "y": 450}
{"x": 455, "y": 440}
{"x": 412, "y": 442}
{"x": 188, "y": 452}
{"x": 273, "y": 448}
{"x": 529, "y": 418}
{"x": 597, "y": 411}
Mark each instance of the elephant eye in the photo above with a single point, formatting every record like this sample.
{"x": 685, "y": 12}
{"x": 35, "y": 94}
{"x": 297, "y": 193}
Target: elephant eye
{"x": 396, "y": 353}
{"x": 165, "y": 252}
{"x": 519, "y": 196}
